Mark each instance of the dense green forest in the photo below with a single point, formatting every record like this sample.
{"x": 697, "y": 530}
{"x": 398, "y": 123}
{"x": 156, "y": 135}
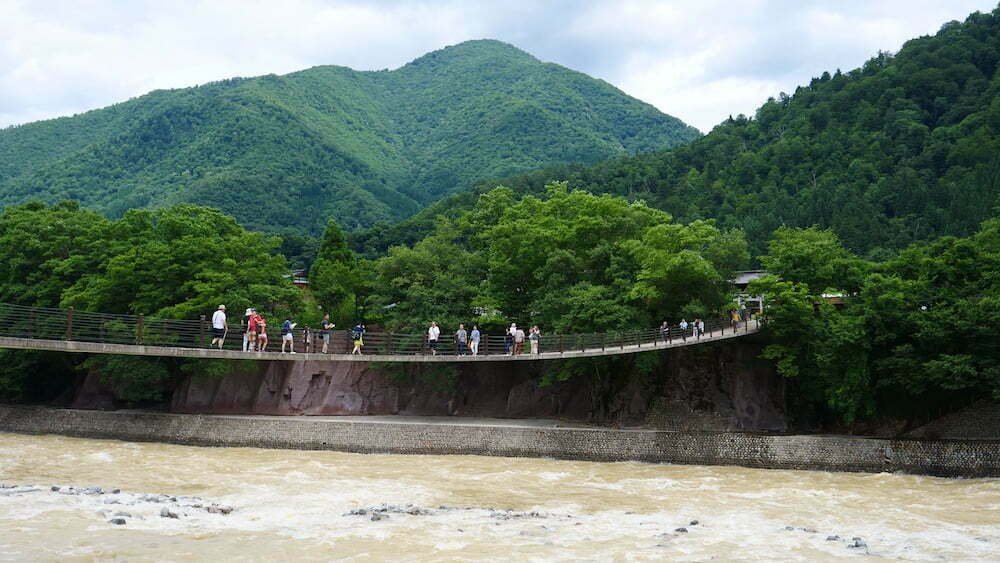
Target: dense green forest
{"x": 915, "y": 337}
{"x": 904, "y": 149}
{"x": 285, "y": 153}
{"x": 178, "y": 262}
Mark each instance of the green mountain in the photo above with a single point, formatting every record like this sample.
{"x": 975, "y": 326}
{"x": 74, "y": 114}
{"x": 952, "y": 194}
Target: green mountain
{"x": 287, "y": 152}
{"x": 904, "y": 149}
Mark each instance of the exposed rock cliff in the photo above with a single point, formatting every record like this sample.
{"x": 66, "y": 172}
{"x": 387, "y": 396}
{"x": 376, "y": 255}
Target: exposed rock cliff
{"x": 710, "y": 387}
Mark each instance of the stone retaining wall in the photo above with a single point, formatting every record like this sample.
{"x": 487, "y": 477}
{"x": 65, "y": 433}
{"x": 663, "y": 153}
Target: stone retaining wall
{"x": 953, "y": 458}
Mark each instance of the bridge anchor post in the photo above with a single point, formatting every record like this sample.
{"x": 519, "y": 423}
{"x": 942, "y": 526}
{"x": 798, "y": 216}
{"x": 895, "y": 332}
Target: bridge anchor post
{"x": 69, "y": 323}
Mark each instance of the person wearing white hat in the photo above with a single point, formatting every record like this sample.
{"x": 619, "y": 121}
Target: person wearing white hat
{"x": 245, "y": 327}
{"x": 219, "y": 327}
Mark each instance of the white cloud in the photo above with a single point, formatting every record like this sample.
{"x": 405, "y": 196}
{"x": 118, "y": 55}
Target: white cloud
{"x": 700, "y": 61}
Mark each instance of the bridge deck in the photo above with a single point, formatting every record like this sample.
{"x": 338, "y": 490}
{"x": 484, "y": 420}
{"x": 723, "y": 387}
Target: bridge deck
{"x": 212, "y": 353}
{"x": 67, "y": 330}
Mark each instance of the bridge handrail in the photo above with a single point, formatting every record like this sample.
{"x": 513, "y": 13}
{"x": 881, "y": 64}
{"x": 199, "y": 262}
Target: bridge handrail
{"x": 44, "y": 323}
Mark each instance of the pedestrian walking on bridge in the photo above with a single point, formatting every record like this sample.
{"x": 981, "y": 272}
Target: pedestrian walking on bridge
{"x": 433, "y": 333}
{"x": 461, "y": 340}
{"x": 535, "y": 337}
{"x": 326, "y": 331}
{"x": 219, "y": 327}
{"x": 474, "y": 337}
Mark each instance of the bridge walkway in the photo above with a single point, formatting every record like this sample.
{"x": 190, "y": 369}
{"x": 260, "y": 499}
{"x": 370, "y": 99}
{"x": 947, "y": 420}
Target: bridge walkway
{"x": 67, "y": 330}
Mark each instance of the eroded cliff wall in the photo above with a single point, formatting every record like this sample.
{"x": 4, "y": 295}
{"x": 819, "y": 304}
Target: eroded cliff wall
{"x": 712, "y": 387}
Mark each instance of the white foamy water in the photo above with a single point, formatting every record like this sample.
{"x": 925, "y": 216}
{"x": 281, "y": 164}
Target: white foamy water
{"x": 297, "y": 505}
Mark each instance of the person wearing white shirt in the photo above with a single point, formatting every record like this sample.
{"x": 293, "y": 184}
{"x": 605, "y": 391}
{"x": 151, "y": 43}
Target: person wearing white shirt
{"x": 433, "y": 333}
{"x": 219, "y": 327}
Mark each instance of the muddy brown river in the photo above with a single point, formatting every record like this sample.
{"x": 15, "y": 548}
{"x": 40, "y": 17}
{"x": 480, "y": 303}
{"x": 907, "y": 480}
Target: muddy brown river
{"x": 168, "y": 502}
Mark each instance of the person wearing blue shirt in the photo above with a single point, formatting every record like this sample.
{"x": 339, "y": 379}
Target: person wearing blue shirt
{"x": 286, "y": 336}
{"x": 474, "y": 338}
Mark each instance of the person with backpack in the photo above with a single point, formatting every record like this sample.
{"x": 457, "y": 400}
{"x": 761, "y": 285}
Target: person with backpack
{"x": 508, "y": 339}
{"x": 518, "y": 341}
{"x": 358, "y": 333}
{"x": 286, "y": 335}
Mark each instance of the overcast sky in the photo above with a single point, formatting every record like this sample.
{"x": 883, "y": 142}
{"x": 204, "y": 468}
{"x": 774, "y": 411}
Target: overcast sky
{"x": 700, "y": 60}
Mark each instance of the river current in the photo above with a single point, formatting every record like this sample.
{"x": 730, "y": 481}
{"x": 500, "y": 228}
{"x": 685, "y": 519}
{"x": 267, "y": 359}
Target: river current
{"x": 169, "y": 502}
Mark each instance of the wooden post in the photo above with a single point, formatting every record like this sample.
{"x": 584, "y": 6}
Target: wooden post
{"x": 201, "y": 332}
{"x": 69, "y": 323}
{"x": 561, "y": 349}
{"x": 138, "y": 329}
{"x": 388, "y": 343}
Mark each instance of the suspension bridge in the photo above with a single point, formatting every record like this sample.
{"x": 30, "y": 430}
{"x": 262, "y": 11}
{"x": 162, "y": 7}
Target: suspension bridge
{"x": 68, "y": 330}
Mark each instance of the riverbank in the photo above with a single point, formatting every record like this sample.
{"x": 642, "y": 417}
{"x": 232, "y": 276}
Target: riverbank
{"x": 510, "y": 438}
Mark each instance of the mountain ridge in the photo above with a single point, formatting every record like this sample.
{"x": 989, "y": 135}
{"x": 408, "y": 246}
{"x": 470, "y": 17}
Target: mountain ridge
{"x": 903, "y": 149}
{"x": 330, "y": 141}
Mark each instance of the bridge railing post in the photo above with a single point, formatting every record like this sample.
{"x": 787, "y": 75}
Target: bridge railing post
{"x": 561, "y": 349}
{"x": 69, "y": 322}
{"x": 201, "y": 332}
{"x": 140, "y": 325}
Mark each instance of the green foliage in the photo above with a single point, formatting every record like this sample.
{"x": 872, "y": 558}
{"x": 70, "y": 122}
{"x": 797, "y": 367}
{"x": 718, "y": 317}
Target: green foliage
{"x": 918, "y": 338}
{"x": 133, "y": 379}
{"x": 568, "y": 260}
{"x": 337, "y": 279}
{"x": 285, "y": 153}
{"x": 44, "y": 250}
{"x": 176, "y": 262}
{"x": 28, "y": 376}
{"x": 183, "y": 261}
{"x": 904, "y": 149}
{"x": 814, "y": 258}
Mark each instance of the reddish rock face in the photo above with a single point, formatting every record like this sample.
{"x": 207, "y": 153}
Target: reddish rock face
{"x": 712, "y": 387}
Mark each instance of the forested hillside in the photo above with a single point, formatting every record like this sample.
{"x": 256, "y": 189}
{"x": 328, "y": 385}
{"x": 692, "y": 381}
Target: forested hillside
{"x": 288, "y": 152}
{"x": 904, "y": 149}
